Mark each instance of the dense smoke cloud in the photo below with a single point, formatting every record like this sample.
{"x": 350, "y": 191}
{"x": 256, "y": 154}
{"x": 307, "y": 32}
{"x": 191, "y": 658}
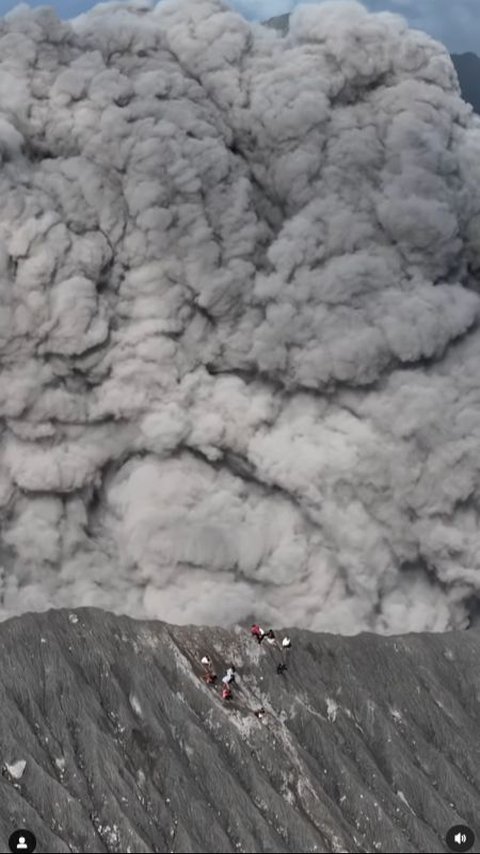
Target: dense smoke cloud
{"x": 456, "y": 24}
{"x": 239, "y": 327}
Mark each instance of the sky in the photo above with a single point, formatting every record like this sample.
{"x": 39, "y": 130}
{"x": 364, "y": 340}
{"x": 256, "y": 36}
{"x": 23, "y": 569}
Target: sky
{"x": 456, "y": 24}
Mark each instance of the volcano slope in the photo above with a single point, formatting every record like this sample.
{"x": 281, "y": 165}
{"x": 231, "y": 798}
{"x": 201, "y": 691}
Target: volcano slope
{"x": 111, "y": 741}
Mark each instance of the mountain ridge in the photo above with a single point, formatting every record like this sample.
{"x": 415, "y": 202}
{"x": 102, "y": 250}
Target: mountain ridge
{"x": 111, "y": 740}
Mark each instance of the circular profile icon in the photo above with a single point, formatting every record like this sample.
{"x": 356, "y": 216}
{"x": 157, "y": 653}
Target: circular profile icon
{"x": 22, "y": 841}
{"x": 460, "y": 838}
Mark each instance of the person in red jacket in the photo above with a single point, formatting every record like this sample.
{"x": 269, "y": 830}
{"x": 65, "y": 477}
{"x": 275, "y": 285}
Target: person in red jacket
{"x": 226, "y": 693}
{"x": 257, "y": 632}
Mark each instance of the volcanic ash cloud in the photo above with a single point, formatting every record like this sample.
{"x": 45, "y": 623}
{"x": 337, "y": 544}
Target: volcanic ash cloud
{"x": 239, "y": 326}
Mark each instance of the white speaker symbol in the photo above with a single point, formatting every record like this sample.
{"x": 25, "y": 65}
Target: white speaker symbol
{"x": 460, "y": 838}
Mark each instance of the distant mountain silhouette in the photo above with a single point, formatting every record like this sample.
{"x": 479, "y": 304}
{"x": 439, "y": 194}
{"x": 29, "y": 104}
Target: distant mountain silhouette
{"x": 278, "y": 23}
{"x": 467, "y": 66}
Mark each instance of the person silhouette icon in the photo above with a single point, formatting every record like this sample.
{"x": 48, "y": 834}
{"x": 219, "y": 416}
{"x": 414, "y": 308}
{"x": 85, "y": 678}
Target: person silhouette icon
{"x": 23, "y": 841}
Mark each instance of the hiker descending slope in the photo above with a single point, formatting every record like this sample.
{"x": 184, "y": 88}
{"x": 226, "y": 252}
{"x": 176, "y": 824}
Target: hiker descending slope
{"x": 226, "y": 693}
{"x": 257, "y": 632}
{"x": 229, "y": 677}
{"x": 260, "y": 713}
{"x": 271, "y": 639}
{"x": 207, "y": 663}
{"x": 209, "y": 675}
{"x": 286, "y": 645}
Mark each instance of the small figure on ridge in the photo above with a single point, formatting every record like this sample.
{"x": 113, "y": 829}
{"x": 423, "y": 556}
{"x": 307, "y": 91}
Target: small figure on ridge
{"x": 229, "y": 677}
{"x": 257, "y": 632}
{"x": 271, "y": 639}
{"x": 226, "y": 693}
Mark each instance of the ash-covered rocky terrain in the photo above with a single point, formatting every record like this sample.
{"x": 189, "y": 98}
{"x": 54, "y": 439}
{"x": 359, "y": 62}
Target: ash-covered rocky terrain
{"x": 111, "y": 740}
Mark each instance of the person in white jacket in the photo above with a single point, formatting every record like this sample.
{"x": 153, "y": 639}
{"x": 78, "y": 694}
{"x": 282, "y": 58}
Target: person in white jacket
{"x": 229, "y": 676}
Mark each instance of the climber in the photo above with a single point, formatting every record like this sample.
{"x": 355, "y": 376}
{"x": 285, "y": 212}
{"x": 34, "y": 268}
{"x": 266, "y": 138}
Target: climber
{"x": 281, "y": 668}
{"x": 226, "y": 693}
{"x": 210, "y": 677}
{"x": 257, "y": 632}
{"x": 286, "y": 643}
{"x": 207, "y": 663}
{"x": 271, "y": 639}
{"x": 229, "y": 676}
{"x": 260, "y": 713}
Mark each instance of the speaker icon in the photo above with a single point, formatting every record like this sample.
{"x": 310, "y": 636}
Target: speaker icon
{"x": 460, "y": 838}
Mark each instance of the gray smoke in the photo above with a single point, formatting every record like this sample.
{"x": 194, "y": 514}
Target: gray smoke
{"x": 240, "y": 318}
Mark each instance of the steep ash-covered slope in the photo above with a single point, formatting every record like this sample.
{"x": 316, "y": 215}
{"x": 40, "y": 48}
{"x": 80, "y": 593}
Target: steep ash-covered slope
{"x": 111, "y": 741}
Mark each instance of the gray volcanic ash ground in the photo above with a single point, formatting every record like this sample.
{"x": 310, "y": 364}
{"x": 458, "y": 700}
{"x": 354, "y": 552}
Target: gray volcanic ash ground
{"x": 111, "y": 741}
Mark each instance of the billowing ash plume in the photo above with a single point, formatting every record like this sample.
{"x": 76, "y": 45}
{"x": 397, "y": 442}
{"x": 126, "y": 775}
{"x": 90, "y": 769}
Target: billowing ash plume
{"x": 239, "y": 331}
